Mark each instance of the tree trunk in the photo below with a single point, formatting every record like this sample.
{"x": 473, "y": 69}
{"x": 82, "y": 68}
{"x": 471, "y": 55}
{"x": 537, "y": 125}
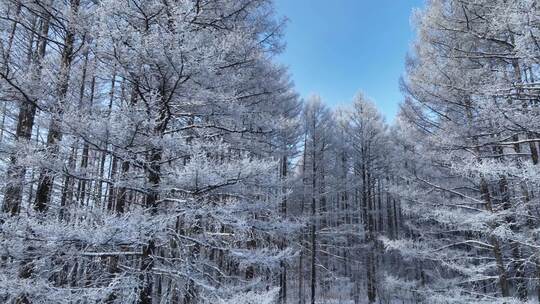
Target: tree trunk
{"x": 503, "y": 276}
{"x": 25, "y": 123}
{"x": 54, "y": 136}
{"x": 283, "y": 265}
{"x": 313, "y": 225}
{"x": 147, "y": 263}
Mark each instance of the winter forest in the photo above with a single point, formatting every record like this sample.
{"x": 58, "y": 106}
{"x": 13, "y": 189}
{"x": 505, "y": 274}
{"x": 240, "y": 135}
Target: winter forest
{"x": 154, "y": 151}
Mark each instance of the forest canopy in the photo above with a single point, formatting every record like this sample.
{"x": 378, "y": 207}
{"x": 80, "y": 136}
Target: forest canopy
{"x": 155, "y": 151}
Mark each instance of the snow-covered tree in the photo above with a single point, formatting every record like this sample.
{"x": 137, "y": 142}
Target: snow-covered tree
{"x": 165, "y": 124}
{"x": 467, "y": 132}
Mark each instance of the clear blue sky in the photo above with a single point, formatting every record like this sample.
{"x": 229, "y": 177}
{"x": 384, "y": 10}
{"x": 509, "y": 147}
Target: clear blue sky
{"x": 338, "y": 47}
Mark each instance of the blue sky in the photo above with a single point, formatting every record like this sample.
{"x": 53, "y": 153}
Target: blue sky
{"x": 338, "y": 47}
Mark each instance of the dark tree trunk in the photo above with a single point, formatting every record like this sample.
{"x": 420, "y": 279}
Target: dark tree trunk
{"x": 147, "y": 263}
{"x": 54, "y": 136}
{"x": 23, "y": 133}
{"x": 283, "y": 265}
{"x": 313, "y": 225}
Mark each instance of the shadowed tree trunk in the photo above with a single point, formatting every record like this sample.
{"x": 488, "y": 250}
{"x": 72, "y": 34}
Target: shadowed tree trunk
{"x": 25, "y": 122}
{"x": 54, "y": 136}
